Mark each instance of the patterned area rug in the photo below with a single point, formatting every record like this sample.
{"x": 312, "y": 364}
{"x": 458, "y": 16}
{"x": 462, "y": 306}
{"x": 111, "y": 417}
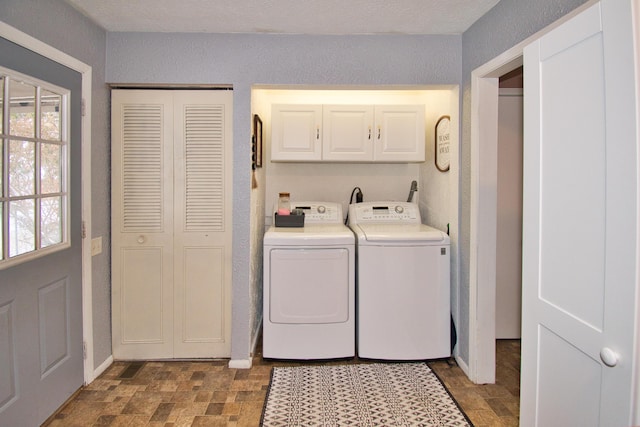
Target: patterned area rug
{"x": 379, "y": 394}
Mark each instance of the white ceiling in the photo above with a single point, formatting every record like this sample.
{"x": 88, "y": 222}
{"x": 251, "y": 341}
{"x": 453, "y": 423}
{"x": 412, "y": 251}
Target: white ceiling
{"x": 286, "y": 16}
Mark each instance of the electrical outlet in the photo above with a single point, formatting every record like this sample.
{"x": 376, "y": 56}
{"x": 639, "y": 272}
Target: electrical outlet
{"x": 96, "y": 246}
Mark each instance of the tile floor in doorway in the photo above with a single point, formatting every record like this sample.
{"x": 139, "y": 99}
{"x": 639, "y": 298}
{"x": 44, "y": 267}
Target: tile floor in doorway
{"x": 177, "y": 393}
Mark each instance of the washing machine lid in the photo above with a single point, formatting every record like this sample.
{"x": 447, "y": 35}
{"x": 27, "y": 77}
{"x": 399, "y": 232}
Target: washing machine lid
{"x": 309, "y": 235}
{"x": 400, "y": 233}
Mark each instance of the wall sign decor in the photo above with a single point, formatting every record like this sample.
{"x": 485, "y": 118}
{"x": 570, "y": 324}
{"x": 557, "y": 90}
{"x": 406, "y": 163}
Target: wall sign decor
{"x": 257, "y": 141}
{"x": 442, "y": 144}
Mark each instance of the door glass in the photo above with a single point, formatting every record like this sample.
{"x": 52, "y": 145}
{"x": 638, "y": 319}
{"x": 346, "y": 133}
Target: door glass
{"x": 50, "y": 168}
{"x": 1, "y": 231}
{"x": 50, "y": 115}
{"x": 50, "y": 218}
{"x": 34, "y": 161}
{"x": 21, "y": 227}
{"x": 22, "y": 156}
{"x": 22, "y": 109}
{"x": 1, "y": 104}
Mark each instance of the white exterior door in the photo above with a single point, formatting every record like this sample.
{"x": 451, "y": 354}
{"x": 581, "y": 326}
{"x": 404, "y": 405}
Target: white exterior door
{"x": 580, "y": 222}
{"x": 171, "y": 223}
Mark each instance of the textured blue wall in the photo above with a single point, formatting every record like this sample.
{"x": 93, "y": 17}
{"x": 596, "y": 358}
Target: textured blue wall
{"x": 243, "y": 60}
{"x": 504, "y": 26}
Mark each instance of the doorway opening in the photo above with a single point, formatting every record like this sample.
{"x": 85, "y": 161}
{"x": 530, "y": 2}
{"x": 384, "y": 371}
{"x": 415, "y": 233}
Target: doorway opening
{"x": 509, "y": 206}
{"x": 508, "y": 302}
{"x": 484, "y": 198}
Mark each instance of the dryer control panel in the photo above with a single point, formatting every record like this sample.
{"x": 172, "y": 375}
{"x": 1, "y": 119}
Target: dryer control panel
{"x": 320, "y": 212}
{"x": 384, "y": 212}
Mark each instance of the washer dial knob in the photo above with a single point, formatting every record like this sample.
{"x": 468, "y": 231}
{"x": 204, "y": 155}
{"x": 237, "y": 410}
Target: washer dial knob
{"x": 399, "y": 209}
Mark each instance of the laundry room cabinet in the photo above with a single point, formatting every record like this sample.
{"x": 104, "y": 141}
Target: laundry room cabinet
{"x": 348, "y": 133}
{"x": 381, "y": 133}
{"x": 296, "y": 132}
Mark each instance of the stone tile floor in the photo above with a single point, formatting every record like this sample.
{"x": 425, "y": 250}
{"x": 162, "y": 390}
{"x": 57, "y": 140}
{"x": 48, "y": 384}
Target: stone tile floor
{"x": 209, "y": 393}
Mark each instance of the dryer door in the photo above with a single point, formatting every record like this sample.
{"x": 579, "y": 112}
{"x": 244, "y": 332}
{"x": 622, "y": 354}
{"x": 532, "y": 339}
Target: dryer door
{"x": 309, "y": 285}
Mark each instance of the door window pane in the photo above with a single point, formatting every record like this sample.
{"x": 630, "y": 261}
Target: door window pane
{"x": 22, "y": 163}
{"x": 2, "y": 104}
{"x": 21, "y": 227}
{"x": 50, "y": 115}
{"x": 34, "y": 155}
{"x": 1, "y": 232}
{"x": 50, "y": 221}
{"x": 50, "y": 168}
{"x": 2, "y": 143}
{"x": 22, "y": 109}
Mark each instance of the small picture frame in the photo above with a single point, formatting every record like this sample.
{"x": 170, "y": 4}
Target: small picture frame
{"x": 257, "y": 140}
{"x": 442, "y": 144}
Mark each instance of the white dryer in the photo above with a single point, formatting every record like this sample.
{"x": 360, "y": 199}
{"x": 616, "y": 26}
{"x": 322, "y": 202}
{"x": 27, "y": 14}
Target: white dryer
{"x": 309, "y": 286}
{"x": 403, "y": 283}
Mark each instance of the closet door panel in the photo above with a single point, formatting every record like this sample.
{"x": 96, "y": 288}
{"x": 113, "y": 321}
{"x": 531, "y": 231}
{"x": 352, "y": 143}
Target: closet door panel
{"x": 142, "y": 224}
{"x": 202, "y": 151}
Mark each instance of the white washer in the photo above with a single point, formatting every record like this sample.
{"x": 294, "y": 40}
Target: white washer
{"x": 402, "y": 283}
{"x": 309, "y": 286}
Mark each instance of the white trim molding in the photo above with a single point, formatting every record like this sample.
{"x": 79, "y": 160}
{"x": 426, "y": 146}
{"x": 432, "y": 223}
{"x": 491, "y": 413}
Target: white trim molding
{"x": 103, "y": 367}
{"x": 240, "y": 363}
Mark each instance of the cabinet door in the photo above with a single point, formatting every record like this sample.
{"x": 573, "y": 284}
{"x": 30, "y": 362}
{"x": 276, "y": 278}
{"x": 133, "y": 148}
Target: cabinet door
{"x": 399, "y": 133}
{"x": 295, "y": 132}
{"x": 347, "y": 133}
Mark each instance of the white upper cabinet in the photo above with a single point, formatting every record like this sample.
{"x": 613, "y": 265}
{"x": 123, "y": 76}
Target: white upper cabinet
{"x": 348, "y": 133}
{"x": 399, "y": 133}
{"x": 295, "y": 132}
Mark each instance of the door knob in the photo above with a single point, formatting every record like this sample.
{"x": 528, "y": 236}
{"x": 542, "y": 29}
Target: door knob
{"x": 141, "y": 239}
{"x": 609, "y": 357}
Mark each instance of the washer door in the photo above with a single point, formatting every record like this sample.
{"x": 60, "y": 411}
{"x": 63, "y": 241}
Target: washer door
{"x": 309, "y": 285}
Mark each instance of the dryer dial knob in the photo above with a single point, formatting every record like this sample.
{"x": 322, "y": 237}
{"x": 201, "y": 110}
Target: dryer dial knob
{"x": 399, "y": 209}
{"x": 321, "y": 209}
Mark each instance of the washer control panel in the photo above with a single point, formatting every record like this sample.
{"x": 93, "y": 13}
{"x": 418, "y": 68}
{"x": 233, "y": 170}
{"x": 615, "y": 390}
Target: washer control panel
{"x": 385, "y": 212}
{"x": 320, "y": 212}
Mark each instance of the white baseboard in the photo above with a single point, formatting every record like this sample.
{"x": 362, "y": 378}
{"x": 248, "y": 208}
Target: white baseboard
{"x": 247, "y": 363}
{"x": 461, "y": 363}
{"x": 240, "y": 363}
{"x": 103, "y": 367}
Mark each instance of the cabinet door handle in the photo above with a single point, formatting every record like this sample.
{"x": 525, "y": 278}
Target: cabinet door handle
{"x": 378, "y": 133}
{"x": 369, "y": 132}
{"x": 318, "y": 133}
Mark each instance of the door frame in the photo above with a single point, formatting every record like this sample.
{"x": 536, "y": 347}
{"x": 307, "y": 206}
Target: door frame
{"x": 483, "y": 198}
{"x": 28, "y": 42}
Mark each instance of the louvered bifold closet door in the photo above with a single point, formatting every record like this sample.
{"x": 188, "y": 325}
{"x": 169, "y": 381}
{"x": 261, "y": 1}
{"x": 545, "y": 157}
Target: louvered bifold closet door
{"x": 202, "y": 159}
{"x": 171, "y": 223}
{"x": 142, "y": 224}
